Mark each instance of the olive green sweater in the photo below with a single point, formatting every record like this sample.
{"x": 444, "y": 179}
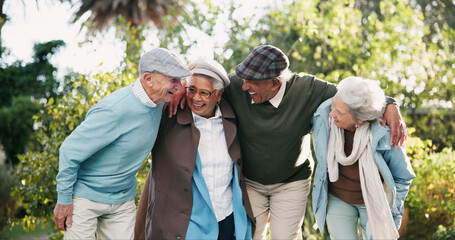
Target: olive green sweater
{"x": 270, "y": 137}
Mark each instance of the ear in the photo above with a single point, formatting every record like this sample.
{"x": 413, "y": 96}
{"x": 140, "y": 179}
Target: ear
{"x": 219, "y": 93}
{"x": 276, "y": 83}
{"x": 147, "y": 79}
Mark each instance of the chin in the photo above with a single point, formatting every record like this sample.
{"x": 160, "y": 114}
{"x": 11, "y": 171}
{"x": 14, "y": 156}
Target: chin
{"x": 168, "y": 99}
{"x": 199, "y": 112}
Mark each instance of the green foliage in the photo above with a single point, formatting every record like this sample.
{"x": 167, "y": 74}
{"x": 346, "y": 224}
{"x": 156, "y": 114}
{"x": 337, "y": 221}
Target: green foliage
{"x": 180, "y": 33}
{"x": 44, "y": 51}
{"x": 240, "y": 42}
{"x": 431, "y": 200}
{"x": 141, "y": 177}
{"x": 139, "y": 12}
{"x": 308, "y": 232}
{"x": 40, "y": 232}
{"x": 7, "y": 203}
{"x": 16, "y": 125}
{"x": 436, "y": 13}
{"x": 36, "y": 79}
{"x": 444, "y": 233}
{"x": 38, "y": 168}
{"x": 133, "y": 36}
{"x": 21, "y": 89}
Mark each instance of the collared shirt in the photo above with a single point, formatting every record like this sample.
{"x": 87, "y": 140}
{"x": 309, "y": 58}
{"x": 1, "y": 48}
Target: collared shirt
{"x": 140, "y": 93}
{"x": 217, "y": 165}
{"x": 275, "y": 101}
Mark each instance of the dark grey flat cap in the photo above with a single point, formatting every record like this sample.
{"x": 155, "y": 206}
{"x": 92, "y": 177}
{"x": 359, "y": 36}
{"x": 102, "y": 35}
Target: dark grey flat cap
{"x": 264, "y": 63}
{"x": 161, "y": 60}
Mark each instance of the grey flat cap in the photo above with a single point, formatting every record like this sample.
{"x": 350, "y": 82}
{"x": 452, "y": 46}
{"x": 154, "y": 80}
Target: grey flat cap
{"x": 210, "y": 68}
{"x": 161, "y": 60}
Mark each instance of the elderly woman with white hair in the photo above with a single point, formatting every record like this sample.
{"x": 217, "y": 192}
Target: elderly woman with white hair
{"x": 359, "y": 175}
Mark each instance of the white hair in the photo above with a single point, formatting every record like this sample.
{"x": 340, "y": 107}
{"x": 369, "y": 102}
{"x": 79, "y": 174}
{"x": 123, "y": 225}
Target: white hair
{"x": 364, "y": 97}
{"x": 285, "y": 75}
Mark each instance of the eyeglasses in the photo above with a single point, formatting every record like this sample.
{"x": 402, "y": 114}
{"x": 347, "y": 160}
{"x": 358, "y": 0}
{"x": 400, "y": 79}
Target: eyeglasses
{"x": 203, "y": 93}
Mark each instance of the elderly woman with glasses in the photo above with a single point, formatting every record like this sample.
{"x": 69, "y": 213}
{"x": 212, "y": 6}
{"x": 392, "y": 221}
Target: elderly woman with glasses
{"x": 359, "y": 175}
{"x": 197, "y": 191}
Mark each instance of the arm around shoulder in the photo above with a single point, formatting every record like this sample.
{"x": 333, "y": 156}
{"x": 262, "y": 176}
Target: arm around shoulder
{"x": 321, "y": 89}
{"x": 393, "y": 118}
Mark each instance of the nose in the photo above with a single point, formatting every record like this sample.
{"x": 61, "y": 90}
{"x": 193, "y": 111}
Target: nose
{"x": 197, "y": 96}
{"x": 331, "y": 114}
{"x": 245, "y": 86}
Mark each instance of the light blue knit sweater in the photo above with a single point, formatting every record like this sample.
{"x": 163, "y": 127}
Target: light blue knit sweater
{"x": 100, "y": 158}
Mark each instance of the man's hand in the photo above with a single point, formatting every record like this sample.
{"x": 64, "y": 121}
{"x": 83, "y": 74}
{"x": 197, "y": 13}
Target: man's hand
{"x": 63, "y": 216}
{"x": 392, "y": 117}
{"x": 177, "y": 99}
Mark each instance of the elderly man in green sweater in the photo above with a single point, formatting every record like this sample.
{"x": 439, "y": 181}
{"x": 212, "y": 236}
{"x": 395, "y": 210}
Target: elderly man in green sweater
{"x": 274, "y": 108}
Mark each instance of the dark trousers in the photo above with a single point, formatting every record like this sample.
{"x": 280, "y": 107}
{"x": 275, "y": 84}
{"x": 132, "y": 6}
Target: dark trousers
{"x": 226, "y": 228}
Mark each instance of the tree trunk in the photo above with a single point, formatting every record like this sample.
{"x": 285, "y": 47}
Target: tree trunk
{"x": 2, "y": 22}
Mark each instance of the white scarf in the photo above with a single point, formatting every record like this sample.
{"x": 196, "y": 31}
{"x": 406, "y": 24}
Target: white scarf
{"x": 379, "y": 215}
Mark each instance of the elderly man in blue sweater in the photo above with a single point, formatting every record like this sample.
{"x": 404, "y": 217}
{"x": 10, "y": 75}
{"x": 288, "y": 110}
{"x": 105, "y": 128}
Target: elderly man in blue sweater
{"x": 96, "y": 183}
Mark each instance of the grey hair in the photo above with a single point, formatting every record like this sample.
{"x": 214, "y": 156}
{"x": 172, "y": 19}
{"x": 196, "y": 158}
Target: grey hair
{"x": 365, "y": 97}
{"x": 285, "y": 75}
{"x": 217, "y": 84}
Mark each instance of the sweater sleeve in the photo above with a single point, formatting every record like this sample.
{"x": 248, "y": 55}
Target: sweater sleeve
{"x": 99, "y": 129}
{"x": 234, "y": 83}
{"x": 324, "y": 89}
{"x": 318, "y": 90}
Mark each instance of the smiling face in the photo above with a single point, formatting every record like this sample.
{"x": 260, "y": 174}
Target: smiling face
{"x": 159, "y": 87}
{"x": 261, "y": 90}
{"x": 342, "y": 115}
{"x": 202, "y": 106}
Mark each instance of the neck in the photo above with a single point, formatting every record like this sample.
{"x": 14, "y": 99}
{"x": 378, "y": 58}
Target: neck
{"x": 348, "y": 141}
{"x": 277, "y": 90}
{"x": 154, "y": 97}
{"x": 350, "y": 129}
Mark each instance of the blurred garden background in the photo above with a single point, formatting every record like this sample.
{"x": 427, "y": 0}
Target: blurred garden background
{"x": 408, "y": 45}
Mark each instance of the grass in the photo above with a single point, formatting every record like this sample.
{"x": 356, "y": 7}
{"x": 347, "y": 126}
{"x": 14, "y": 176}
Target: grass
{"x": 17, "y": 232}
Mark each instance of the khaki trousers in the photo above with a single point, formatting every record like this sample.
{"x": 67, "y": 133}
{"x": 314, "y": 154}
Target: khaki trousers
{"x": 283, "y": 203}
{"x": 109, "y": 221}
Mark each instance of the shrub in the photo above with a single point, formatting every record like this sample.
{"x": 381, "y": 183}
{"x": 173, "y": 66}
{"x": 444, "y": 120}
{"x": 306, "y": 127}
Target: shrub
{"x": 7, "y": 203}
{"x": 444, "y": 233}
{"x": 431, "y": 200}
{"x": 38, "y": 168}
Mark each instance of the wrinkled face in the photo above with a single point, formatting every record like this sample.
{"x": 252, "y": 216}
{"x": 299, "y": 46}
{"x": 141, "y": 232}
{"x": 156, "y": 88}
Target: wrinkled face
{"x": 201, "y": 96}
{"x": 161, "y": 88}
{"x": 261, "y": 90}
{"x": 341, "y": 115}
